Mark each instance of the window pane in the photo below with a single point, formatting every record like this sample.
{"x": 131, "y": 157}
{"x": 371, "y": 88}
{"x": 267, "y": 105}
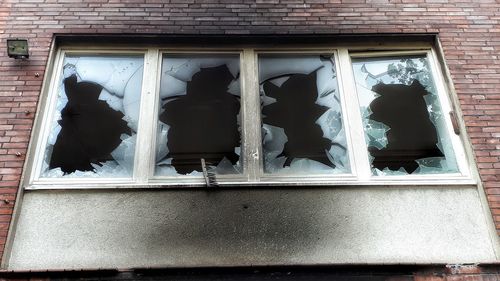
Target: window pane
{"x": 404, "y": 126}
{"x": 303, "y": 130}
{"x": 94, "y": 129}
{"x": 199, "y": 115}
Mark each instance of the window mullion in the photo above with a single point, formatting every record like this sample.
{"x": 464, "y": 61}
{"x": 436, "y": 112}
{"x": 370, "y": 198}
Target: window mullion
{"x": 251, "y": 120}
{"x": 361, "y": 162}
{"x": 145, "y": 149}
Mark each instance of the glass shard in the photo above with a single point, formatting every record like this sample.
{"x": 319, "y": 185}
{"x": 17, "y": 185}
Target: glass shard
{"x": 91, "y": 134}
{"x": 301, "y": 115}
{"x": 403, "y": 122}
{"x": 199, "y": 116}
{"x": 274, "y": 67}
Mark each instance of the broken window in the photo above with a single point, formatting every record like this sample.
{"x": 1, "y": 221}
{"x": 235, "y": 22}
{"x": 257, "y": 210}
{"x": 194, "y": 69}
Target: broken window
{"x": 302, "y": 130}
{"x": 199, "y": 115}
{"x": 252, "y": 117}
{"x": 404, "y": 126}
{"x": 94, "y": 128}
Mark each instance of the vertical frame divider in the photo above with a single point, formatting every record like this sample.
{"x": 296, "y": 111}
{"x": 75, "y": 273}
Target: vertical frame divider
{"x": 355, "y": 127}
{"x": 145, "y": 147}
{"x": 250, "y": 111}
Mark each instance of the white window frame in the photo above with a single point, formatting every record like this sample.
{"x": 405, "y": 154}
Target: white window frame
{"x": 444, "y": 99}
{"x": 251, "y": 146}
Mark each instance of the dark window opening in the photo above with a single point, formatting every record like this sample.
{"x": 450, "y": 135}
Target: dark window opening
{"x": 90, "y": 129}
{"x": 199, "y": 118}
{"x": 203, "y": 123}
{"x": 411, "y": 134}
{"x": 302, "y": 126}
{"x": 94, "y": 128}
{"x": 404, "y": 125}
{"x": 296, "y": 111}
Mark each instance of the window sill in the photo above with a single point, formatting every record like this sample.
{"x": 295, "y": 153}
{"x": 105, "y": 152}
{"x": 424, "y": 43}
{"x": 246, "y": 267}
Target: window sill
{"x": 266, "y": 182}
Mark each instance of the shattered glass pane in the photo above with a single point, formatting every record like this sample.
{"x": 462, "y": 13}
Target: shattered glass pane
{"x": 199, "y": 115}
{"x": 302, "y": 130}
{"x": 93, "y": 131}
{"x": 404, "y": 126}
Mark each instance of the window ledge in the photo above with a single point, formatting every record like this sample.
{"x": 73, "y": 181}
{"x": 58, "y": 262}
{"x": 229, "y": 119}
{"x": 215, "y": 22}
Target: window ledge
{"x": 198, "y": 184}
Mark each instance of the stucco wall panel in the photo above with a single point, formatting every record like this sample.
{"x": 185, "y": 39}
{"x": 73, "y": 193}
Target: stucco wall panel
{"x": 122, "y": 229}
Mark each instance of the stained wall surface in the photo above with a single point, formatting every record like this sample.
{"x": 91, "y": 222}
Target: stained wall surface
{"x": 85, "y": 229}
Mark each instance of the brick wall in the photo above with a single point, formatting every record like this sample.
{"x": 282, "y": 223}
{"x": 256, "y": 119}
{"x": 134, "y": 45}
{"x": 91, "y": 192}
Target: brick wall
{"x": 469, "y": 32}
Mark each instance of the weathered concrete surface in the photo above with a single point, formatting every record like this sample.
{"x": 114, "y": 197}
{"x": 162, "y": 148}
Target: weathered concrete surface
{"x": 122, "y": 229}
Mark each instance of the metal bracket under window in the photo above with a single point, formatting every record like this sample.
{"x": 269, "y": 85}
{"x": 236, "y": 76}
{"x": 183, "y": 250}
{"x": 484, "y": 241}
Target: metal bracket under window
{"x": 210, "y": 180}
{"x": 454, "y": 122}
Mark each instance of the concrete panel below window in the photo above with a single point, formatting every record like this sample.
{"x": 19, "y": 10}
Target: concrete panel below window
{"x": 125, "y": 229}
